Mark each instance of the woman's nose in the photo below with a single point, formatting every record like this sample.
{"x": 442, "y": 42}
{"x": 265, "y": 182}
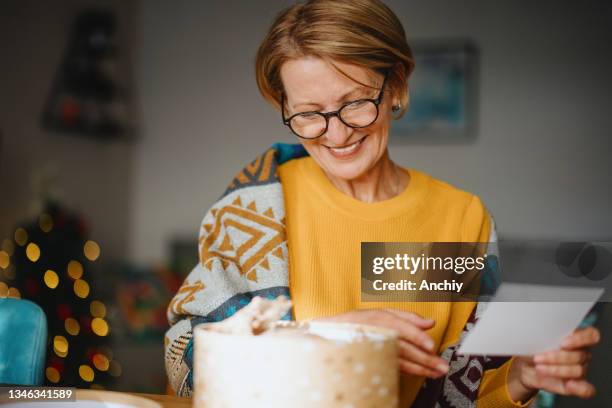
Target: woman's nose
{"x": 337, "y": 132}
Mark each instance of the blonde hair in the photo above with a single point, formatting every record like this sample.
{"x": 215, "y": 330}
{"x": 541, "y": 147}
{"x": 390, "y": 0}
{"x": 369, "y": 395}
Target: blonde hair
{"x": 365, "y": 33}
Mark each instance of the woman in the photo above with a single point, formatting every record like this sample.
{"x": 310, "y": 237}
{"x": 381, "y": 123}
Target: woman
{"x": 292, "y": 221}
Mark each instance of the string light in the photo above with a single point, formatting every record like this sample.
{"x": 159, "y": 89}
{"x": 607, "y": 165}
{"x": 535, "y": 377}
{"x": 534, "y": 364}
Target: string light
{"x": 90, "y": 358}
{"x": 99, "y": 326}
{"x": 74, "y": 350}
{"x": 101, "y": 362}
{"x": 33, "y": 252}
{"x": 72, "y": 326}
{"x": 45, "y": 222}
{"x": 75, "y": 269}
{"x": 81, "y": 288}
{"x": 86, "y": 373}
{"x": 5, "y": 260}
{"x": 91, "y": 250}
{"x": 14, "y": 293}
{"x": 51, "y": 279}
{"x": 21, "y": 236}
{"x": 4, "y": 290}
{"x": 52, "y": 375}
{"x": 97, "y": 309}
{"x": 60, "y": 346}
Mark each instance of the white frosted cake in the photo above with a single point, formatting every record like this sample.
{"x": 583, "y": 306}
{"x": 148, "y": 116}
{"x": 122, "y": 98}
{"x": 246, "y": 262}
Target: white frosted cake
{"x": 252, "y": 360}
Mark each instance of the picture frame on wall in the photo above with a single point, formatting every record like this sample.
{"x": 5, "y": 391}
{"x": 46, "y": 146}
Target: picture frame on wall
{"x": 443, "y": 104}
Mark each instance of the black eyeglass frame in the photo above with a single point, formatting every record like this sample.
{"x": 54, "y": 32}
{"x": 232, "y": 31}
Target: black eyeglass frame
{"x": 327, "y": 115}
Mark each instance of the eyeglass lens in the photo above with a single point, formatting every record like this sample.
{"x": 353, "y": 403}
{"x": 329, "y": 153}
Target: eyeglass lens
{"x": 314, "y": 124}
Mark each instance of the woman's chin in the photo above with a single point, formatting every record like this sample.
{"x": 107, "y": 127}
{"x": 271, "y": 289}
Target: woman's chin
{"x": 347, "y": 171}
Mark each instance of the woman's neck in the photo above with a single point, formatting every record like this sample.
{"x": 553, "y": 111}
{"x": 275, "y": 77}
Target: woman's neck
{"x": 382, "y": 182}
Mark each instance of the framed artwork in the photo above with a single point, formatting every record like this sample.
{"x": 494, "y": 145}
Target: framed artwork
{"x": 89, "y": 96}
{"x": 442, "y": 89}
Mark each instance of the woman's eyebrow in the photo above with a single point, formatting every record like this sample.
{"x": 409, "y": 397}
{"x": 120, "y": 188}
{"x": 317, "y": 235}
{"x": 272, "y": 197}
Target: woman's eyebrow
{"x": 350, "y": 93}
{"x": 344, "y": 97}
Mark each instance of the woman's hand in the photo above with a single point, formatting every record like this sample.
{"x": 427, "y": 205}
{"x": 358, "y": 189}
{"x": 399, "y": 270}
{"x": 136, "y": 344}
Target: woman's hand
{"x": 560, "y": 371}
{"x": 416, "y": 348}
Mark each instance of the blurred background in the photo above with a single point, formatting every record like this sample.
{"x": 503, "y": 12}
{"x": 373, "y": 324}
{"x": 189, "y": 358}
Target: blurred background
{"x": 121, "y": 122}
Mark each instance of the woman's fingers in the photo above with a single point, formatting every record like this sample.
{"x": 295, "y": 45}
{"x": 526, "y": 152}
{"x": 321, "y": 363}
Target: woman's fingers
{"x": 409, "y": 352}
{"x": 554, "y": 385}
{"x": 581, "y": 338}
{"x": 580, "y": 388}
{"x": 409, "y": 367}
{"x": 414, "y": 335}
{"x": 415, "y": 346}
{"x": 574, "y": 371}
{"x": 562, "y": 357}
{"x": 413, "y": 318}
{"x": 563, "y": 371}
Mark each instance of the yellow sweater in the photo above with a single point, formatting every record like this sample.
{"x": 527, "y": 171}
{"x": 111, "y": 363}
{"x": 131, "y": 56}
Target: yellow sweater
{"x": 325, "y": 228}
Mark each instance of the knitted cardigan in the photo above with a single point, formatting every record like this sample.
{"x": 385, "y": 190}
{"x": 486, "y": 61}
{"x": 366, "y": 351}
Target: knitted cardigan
{"x": 243, "y": 253}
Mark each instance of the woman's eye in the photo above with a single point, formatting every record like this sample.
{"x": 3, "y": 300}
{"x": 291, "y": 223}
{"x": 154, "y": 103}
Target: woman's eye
{"x": 309, "y": 116}
{"x": 356, "y": 104}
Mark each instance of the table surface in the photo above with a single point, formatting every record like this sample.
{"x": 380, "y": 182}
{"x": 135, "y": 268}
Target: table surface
{"x": 167, "y": 401}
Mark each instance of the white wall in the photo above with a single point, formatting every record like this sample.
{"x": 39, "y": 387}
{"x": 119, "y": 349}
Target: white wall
{"x": 540, "y": 161}
{"x": 92, "y": 177}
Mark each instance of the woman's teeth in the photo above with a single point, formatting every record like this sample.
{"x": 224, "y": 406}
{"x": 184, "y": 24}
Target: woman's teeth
{"x": 347, "y": 149}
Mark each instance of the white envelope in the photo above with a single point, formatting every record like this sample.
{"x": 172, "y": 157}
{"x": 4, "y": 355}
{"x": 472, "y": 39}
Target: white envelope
{"x": 535, "y": 319}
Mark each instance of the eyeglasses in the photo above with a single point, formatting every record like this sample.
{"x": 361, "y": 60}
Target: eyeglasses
{"x": 354, "y": 114}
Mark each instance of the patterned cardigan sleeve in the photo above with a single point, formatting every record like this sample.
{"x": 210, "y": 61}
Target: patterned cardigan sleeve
{"x": 242, "y": 253}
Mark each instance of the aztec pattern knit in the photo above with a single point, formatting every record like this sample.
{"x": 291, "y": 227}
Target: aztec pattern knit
{"x": 243, "y": 253}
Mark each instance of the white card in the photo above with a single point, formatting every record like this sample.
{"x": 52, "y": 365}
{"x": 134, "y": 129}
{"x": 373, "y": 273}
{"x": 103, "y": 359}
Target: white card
{"x": 532, "y": 325}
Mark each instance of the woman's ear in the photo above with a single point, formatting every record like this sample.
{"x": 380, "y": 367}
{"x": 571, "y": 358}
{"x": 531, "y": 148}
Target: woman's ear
{"x": 401, "y": 102}
{"x": 399, "y": 97}
{"x": 398, "y": 105}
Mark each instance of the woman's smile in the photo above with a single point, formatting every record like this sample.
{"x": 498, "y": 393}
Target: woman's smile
{"x": 348, "y": 151}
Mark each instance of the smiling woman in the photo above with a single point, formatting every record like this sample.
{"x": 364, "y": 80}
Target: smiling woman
{"x": 291, "y": 223}
{"x": 317, "y": 65}
{"x": 352, "y": 147}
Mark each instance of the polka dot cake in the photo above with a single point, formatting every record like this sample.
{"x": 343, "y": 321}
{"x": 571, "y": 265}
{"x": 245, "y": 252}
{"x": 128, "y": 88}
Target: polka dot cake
{"x": 315, "y": 364}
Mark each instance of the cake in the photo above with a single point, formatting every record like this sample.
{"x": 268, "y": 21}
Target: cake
{"x": 254, "y": 360}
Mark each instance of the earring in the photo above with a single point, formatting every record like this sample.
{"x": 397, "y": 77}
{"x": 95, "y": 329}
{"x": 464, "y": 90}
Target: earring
{"x": 396, "y": 108}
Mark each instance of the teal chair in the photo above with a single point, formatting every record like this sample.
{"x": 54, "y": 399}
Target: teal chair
{"x": 23, "y": 341}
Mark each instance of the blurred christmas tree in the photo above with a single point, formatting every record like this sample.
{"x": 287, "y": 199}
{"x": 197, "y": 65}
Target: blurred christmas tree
{"x": 51, "y": 263}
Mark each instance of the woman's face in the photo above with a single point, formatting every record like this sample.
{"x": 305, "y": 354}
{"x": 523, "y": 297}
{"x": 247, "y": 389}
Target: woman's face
{"x": 311, "y": 84}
